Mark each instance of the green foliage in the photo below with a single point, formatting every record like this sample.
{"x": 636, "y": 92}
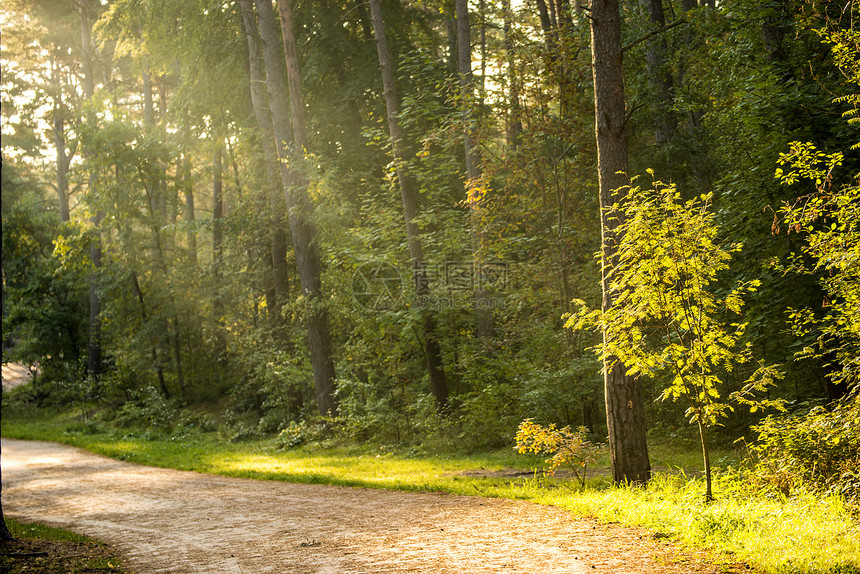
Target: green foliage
{"x": 567, "y": 448}
{"x": 147, "y": 409}
{"x": 43, "y": 277}
{"x": 829, "y": 222}
{"x": 669, "y": 317}
{"x": 815, "y": 450}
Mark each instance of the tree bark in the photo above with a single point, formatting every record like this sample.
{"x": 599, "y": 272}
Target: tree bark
{"x": 661, "y": 79}
{"x": 624, "y": 409}
{"x": 94, "y": 346}
{"x": 63, "y": 158}
{"x": 188, "y": 210}
{"x": 260, "y": 103}
{"x": 514, "y": 124}
{"x": 408, "y": 197}
{"x": 218, "y": 249}
{"x": 484, "y": 315}
{"x": 290, "y": 145}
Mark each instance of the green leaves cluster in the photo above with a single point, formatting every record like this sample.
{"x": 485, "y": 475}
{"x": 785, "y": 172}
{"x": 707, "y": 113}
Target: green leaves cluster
{"x": 568, "y": 448}
{"x": 829, "y": 221}
{"x": 670, "y": 317}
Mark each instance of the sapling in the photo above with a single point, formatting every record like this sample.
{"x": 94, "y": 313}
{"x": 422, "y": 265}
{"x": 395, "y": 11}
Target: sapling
{"x": 671, "y": 321}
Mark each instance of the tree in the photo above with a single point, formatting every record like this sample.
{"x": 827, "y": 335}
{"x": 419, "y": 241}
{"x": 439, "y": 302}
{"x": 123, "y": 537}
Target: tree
{"x": 666, "y": 318}
{"x": 624, "y": 410}
{"x": 260, "y": 103}
{"x": 94, "y": 349}
{"x": 432, "y": 351}
{"x": 291, "y": 147}
{"x": 475, "y": 183}
{"x": 4, "y": 530}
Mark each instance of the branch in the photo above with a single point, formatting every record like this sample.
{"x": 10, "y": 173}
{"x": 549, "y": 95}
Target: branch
{"x": 652, "y": 33}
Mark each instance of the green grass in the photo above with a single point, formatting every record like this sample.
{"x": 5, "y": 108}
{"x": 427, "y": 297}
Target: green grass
{"x": 810, "y": 535}
{"x": 42, "y": 549}
{"x": 36, "y": 531}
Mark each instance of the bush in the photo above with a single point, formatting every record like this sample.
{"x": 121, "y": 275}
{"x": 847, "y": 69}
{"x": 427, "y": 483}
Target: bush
{"x": 148, "y": 409}
{"x": 568, "y": 449}
{"x": 817, "y": 451}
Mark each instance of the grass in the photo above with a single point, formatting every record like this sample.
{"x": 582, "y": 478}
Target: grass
{"x": 43, "y": 549}
{"x": 34, "y": 531}
{"x": 807, "y": 535}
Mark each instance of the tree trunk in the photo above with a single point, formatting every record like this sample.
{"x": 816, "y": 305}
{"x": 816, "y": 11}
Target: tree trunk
{"x": 624, "y": 410}
{"x": 706, "y": 456}
{"x": 218, "y": 249}
{"x": 188, "y": 211}
{"x": 63, "y": 159}
{"x": 260, "y": 103}
{"x": 514, "y": 124}
{"x": 290, "y": 146}
{"x": 94, "y": 346}
{"x": 661, "y": 79}
{"x": 432, "y": 350}
{"x": 485, "y": 324}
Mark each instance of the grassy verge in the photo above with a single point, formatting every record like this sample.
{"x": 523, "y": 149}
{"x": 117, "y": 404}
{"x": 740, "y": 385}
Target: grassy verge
{"x": 41, "y": 549}
{"x": 775, "y": 535}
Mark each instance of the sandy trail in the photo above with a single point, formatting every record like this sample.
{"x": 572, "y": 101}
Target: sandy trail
{"x": 172, "y": 521}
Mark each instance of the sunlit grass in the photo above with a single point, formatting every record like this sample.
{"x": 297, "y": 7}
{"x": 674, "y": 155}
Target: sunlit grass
{"x": 34, "y": 531}
{"x": 811, "y": 535}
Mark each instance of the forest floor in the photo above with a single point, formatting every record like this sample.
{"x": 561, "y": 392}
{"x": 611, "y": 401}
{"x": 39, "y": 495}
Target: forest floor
{"x": 161, "y": 520}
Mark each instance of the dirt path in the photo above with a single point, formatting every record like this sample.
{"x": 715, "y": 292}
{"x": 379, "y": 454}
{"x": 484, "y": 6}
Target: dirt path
{"x": 15, "y": 374}
{"x": 172, "y": 521}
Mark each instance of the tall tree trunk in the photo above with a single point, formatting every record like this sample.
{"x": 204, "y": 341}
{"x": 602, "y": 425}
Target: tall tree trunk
{"x": 94, "y": 346}
{"x": 624, "y": 410}
{"x": 260, "y": 103}
{"x": 188, "y": 210}
{"x": 485, "y": 323}
{"x": 408, "y": 197}
{"x": 4, "y": 530}
{"x": 218, "y": 248}
{"x": 63, "y": 158}
{"x": 514, "y": 126}
{"x": 158, "y": 214}
{"x": 660, "y": 77}
{"x": 290, "y": 147}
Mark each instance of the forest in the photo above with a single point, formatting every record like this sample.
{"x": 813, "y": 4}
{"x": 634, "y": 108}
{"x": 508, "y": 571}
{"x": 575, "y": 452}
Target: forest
{"x": 403, "y": 222}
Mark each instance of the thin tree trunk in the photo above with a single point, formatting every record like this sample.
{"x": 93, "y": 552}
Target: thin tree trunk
{"x": 188, "y": 210}
{"x": 661, "y": 79}
{"x": 485, "y": 324}
{"x": 549, "y": 33}
{"x": 408, "y": 197}
{"x": 153, "y": 349}
{"x": 514, "y": 123}
{"x": 624, "y": 410}
{"x": 94, "y": 346}
{"x": 218, "y": 249}
{"x": 706, "y": 455}
{"x": 63, "y": 158}
{"x": 295, "y": 186}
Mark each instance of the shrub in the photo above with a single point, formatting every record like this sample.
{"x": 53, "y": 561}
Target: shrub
{"x": 816, "y": 451}
{"x": 569, "y": 449}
